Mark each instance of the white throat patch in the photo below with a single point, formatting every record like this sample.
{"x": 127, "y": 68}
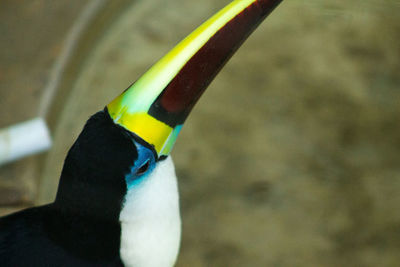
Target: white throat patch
{"x": 150, "y": 220}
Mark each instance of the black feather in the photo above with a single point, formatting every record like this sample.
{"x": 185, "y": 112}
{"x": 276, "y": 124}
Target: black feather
{"x": 81, "y": 228}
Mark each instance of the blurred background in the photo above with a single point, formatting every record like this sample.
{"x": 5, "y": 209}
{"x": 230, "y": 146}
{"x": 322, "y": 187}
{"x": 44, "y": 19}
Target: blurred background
{"x": 292, "y": 156}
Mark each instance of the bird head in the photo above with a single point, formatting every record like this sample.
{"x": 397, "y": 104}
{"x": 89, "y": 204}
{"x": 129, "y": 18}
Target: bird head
{"x": 137, "y": 130}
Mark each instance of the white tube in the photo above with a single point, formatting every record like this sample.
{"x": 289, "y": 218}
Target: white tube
{"x": 24, "y": 139}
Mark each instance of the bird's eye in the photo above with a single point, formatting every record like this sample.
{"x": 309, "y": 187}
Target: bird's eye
{"x": 143, "y": 168}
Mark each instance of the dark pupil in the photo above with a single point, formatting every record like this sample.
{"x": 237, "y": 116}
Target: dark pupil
{"x": 143, "y": 168}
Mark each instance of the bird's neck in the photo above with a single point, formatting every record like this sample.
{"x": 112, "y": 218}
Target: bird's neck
{"x": 150, "y": 220}
{"x": 92, "y": 180}
{"x": 91, "y": 186}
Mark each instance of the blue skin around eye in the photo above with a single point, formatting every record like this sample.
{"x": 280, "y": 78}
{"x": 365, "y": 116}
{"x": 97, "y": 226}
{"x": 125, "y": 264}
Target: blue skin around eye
{"x": 144, "y": 155}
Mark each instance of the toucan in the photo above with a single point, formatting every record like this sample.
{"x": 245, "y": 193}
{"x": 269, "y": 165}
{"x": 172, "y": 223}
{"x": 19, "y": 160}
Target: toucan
{"x": 117, "y": 202}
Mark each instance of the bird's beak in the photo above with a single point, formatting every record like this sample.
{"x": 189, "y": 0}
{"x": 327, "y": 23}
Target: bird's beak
{"x": 155, "y": 107}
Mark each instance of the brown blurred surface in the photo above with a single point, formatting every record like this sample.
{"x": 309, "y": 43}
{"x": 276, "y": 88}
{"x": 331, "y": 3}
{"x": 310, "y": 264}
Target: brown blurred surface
{"x": 41, "y": 40}
{"x": 291, "y": 158}
{"x": 32, "y": 33}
